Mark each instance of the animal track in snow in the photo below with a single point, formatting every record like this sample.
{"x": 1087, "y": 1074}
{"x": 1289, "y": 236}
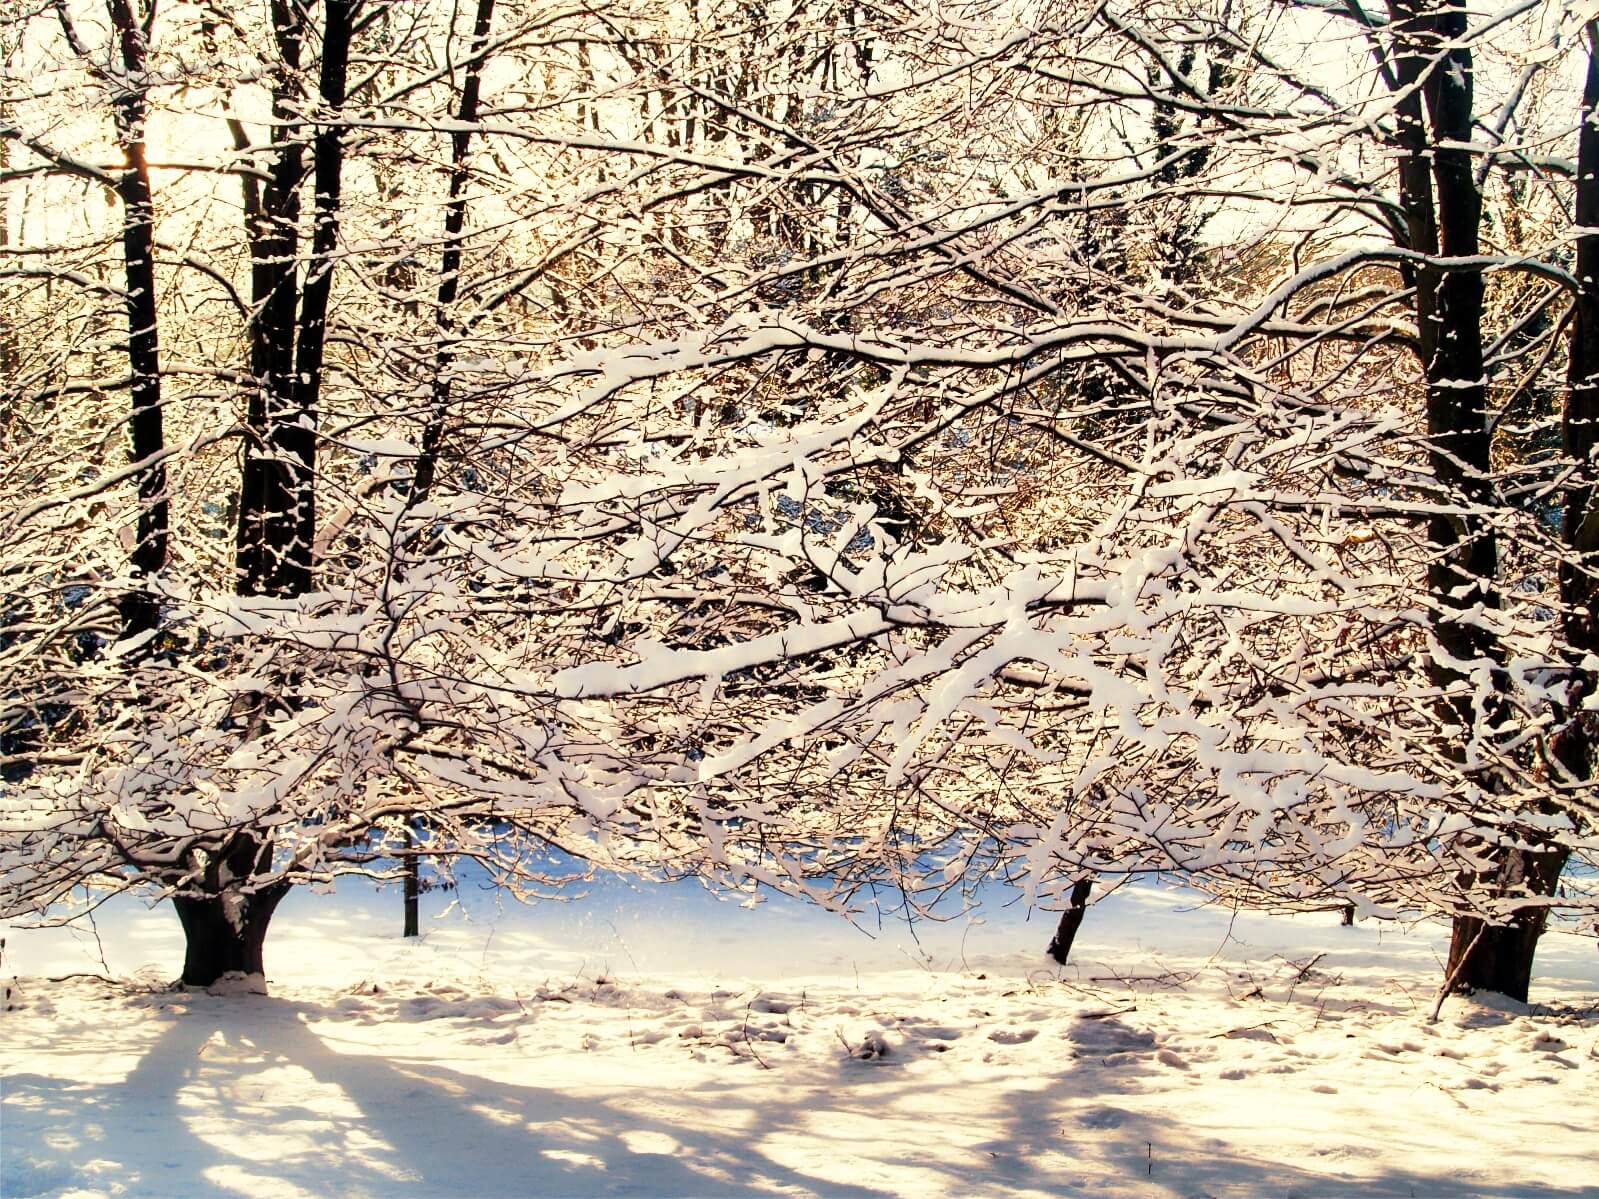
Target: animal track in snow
{"x": 1006, "y": 1036}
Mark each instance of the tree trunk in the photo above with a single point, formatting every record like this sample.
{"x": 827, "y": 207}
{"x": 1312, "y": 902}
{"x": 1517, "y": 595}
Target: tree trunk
{"x": 1443, "y": 208}
{"x": 267, "y": 489}
{"x": 1579, "y": 424}
{"x": 140, "y": 610}
{"x": 277, "y": 503}
{"x": 1576, "y": 744}
{"x": 450, "y": 265}
{"x": 1499, "y": 957}
{"x": 1071, "y": 920}
{"x": 216, "y": 945}
{"x": 413, "y": 887}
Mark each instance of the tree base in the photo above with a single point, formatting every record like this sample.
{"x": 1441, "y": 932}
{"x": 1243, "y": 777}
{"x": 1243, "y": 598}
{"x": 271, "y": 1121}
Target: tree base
{"x": 234, "y": 983}
{"x": 1493, "y": 958}
{"x": 224, "y": 935}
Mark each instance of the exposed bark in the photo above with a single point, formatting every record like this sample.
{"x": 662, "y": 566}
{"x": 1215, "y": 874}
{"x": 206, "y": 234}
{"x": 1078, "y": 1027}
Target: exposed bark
{"x": 413, "y": 888}
{"x": 450, "y": 263}
{"x": 1499, "y": 957}
{"x": 130, "y": 31}
{"x": 1443, "y": 208}
{"x": 1060, "y": 947}
{"x": 272, "y": 214}
{"x": 224, "y": 920}
{"x": 296, "y": 436}
{"x": 1433, "y": 70}
{"x": 277, "y": 503}
{"x": 1502, "y": 960}
{"x": 214, "y": 945}
{"x": 1579, "y": 425}
{"x": 138, "y": 242}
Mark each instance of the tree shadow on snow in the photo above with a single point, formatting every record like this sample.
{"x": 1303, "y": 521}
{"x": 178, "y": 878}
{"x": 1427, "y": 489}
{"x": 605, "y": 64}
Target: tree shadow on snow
{"x": 240, "y": 1096}
{"x": 211, "y": 1108}
{"x": 1109, "y": 1147}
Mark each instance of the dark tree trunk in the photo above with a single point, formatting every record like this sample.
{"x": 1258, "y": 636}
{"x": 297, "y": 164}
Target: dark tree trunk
{"x": 214, "y": 945}
{"x": 1502, "y": 959}
{"x": 413, "y": 888}
{"x": 272, "y": 214}
{"x": 1575, "y": 745}
{"x": 296, "y": 436}
{"x": 1443, "y": 209}
{"x": 224, "y": 921}
{"x": 450, "y": 265}
{"x": 1060, "y": 947}
{"x": 1499, "y": 957}
{"x": 277, "y": 503}
{"x": 1579, "y": 425}
{"x": 139, "y": 609}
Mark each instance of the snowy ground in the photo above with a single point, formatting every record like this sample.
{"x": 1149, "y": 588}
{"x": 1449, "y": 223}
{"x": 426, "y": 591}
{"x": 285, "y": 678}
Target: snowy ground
{"x": 659, "y": 1043}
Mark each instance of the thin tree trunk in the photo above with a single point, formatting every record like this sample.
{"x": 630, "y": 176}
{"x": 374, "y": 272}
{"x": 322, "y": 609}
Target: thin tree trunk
{"x": 277, "y": 503}
{"x": 450, "y": 264}
{"x": 447, "y": 327}
{"x": 296, "y": 436}
{"x": 413, "y": 887}
{"x": 1060, "y": 947}
{"x": 1579, "y": 425}
{"x": 139, "y": 608}
{"x": 10, "y": 348}
{"x": 1449, "y": 307}
{"x": 1579, "y": 574}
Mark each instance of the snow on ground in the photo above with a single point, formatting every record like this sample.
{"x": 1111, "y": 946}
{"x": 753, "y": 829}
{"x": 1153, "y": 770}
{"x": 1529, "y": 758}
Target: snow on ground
{"x": 660, "y": 1044}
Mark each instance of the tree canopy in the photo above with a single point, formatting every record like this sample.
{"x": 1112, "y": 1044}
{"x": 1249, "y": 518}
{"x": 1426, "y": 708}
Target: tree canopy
{"x": 811, "y": 445}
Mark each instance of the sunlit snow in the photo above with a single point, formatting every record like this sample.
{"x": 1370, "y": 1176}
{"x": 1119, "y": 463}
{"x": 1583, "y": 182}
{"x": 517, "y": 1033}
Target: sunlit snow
{"x": 662, "y": 1042}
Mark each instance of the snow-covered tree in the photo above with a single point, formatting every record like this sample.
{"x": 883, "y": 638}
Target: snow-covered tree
{"x": 871, "y": 447}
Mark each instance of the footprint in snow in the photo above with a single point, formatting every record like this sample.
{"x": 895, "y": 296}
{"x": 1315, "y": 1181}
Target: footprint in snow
{"x": 1098, "y": 1038}
{"x": 874, "y": 1046}
{"x": 1103, "y": 1117}
{"x": 1007, "y": 1036}
{"x": 1175, "y": 1060}
{"x": 1251, "y": 1034}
